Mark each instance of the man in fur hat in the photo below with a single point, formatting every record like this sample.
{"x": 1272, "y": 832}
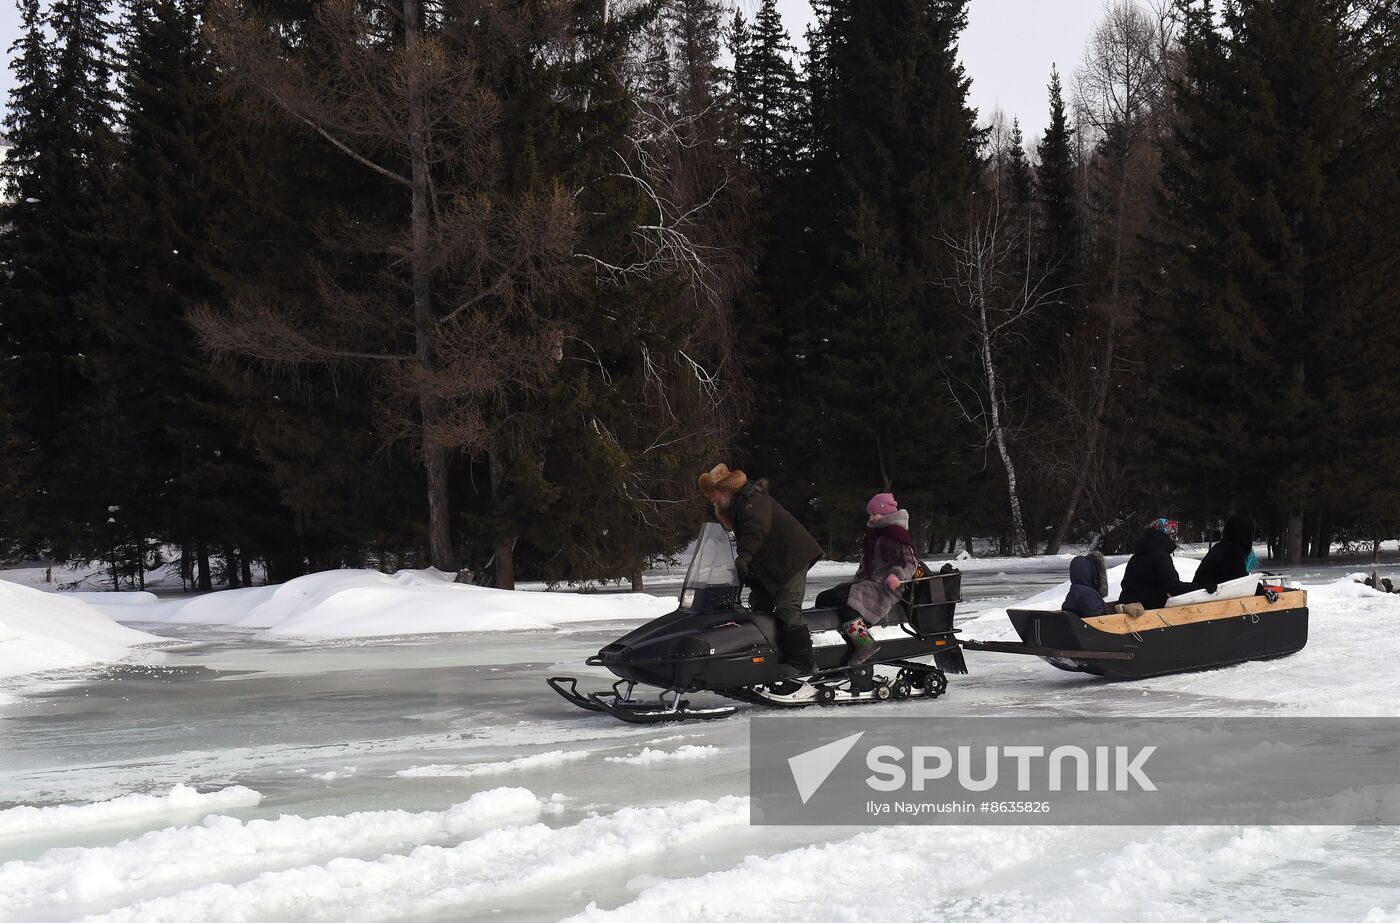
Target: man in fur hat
{"x": 774, "y": 554}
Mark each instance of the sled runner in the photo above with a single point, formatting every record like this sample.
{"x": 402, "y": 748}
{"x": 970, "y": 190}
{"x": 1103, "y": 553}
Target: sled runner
{"x": 1174, "y": 639}
{"x": 713, "y": 643}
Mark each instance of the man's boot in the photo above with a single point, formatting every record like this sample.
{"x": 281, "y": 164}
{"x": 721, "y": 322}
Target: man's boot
{"x": 860, "y": 646}
{"x": 797, "y": 648}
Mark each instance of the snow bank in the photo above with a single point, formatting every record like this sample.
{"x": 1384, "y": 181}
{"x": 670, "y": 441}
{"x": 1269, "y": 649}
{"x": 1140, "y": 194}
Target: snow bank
{"x": 225, "y": 847}
{"x": 26, "y": 820}
{"x": 648, "y": 756}
{"x": 548, "y": 760}
{"x": 990, "y": 874}
{"x": 45, "y": 631}
{"x": 501, "y": 862}
{"x": 366, "y": 603}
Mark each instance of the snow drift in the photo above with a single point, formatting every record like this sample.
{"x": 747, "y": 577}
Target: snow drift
{"x": 45, "y": 631}
{"x": 366, "y": 603}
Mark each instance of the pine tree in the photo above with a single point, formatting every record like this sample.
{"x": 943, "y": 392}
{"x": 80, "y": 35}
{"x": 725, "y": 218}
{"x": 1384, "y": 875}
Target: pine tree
{"x": 1261, "y": 181}
{"x": 1019, "y": 168}
{"x": 55, "y": 249}
{"x": 767, "y": 99}
{"x": 895, "y": 159}
{"x": 185, "y": 476}
{"x": 1059, "y": 201}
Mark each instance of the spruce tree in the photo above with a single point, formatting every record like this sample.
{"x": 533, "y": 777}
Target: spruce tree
{"x": 1261, "y": 181}
{"x": 54, "y": 251}
{"x": 894, "y": 163}
{"x": 767, "y": 99}
{"x": 1059, "y": 201}
{"x": 1019, "y": 168}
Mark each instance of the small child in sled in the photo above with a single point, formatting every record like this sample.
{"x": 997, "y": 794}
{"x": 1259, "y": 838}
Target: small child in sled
{"x": 886, "y": 561}
{"x": 1088, "y": 585}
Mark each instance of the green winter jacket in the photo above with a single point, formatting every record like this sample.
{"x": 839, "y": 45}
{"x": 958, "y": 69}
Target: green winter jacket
{"x": 772, "y": 545}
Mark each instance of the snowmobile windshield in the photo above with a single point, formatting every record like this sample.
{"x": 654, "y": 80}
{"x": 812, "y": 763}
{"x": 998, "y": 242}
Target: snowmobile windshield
{"x": 712, "y": 566}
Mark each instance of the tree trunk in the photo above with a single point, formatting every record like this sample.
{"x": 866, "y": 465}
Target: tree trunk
{"x": 1293, "y": 552}
{"x": 231, "y": 571}
{"x": 1323, "y": 542}
{"x": 186, "y": 568}
{"x": 247, "y": 568}
{"x": 505, "y": 562}
{"x": 638, "y": 582}
{"x": 201, "y": 554}
{"x": 435, "y": 455}
{"x": 989, "y": 371}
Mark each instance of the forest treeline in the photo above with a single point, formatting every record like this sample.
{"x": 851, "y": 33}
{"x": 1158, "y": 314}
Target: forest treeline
{"x": 486, "y": 283}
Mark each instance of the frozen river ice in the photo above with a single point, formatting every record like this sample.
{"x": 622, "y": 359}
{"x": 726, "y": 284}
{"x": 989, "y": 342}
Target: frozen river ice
{"x": 435, "y": 777}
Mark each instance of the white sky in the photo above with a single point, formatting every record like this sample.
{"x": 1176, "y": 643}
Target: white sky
{"x": 1007, "y": 49}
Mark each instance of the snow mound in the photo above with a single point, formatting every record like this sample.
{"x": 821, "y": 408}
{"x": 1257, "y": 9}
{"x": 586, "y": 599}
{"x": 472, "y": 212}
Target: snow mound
{"x": 537, "y": 761}
{"x": 647, "y": 756}
{"x": 25, "y": 819}
{"x": 366, "y": 604}
{"x": 480, "y": 872}
{"x": 225, "y": 847}
{"x": 988, "y": 874}
{"x": 44, "y": 631}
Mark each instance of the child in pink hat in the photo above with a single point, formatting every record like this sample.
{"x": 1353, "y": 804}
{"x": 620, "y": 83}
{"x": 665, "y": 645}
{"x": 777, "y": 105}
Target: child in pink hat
{"x": 886, "y": 561}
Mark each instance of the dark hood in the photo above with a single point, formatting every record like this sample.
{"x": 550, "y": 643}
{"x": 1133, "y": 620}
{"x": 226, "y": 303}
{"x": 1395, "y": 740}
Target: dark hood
{"x": 1154, "y": 540}
{"x": 1088, "y": 570}
{"x": 1239, "y": 530}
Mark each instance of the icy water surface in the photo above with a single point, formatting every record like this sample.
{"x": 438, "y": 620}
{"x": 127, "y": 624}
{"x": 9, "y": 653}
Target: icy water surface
{"x": 638, "y": 823}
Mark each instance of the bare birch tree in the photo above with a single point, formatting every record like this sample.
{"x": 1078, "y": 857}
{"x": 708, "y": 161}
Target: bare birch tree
{"x": 998, "y": 283}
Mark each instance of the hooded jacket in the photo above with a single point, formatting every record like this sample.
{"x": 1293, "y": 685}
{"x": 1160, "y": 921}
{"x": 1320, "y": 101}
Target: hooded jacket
{"x": 1229, "y": 557}
{"x": 772, "y": 545}
{"x": 1150, "y": 576}
{"x": 1085, "y": 597}
{"x": 888, "y": 550}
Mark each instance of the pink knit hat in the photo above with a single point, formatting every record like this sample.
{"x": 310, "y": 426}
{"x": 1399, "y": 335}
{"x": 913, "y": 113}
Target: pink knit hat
{"x": 882, "y": 505}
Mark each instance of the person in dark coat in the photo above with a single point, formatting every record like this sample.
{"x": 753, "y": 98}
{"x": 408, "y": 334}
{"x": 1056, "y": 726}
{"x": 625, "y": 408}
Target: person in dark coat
{"x": 1088, "y": 585}
{"x": 773, "y": 555}
{"x": 1231, "y": 557}
{"x": 1150, "y": 576}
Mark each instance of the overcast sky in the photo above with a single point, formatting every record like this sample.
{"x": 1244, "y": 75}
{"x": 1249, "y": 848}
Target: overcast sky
{"x": 1008, "y": 48}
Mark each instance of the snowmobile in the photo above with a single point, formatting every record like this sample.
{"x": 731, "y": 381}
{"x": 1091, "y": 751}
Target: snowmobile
{"x": 714, "y": 643}
{"x": 1264, "y": 619}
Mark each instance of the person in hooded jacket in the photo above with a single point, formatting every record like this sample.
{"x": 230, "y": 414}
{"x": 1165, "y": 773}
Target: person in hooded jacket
{"x": 773, "y": 556}
{"x": 1150, "y": 576}
{"x": 1088, "y": 585}
{"x": 1231, "y": 557}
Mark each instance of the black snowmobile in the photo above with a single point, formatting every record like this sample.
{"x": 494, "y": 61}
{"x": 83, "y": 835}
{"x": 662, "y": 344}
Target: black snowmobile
{"x": 713, "y": 643}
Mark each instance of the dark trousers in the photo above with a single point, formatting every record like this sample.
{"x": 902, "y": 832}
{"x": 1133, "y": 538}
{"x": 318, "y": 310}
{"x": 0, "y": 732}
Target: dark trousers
{"x": 786, "y": 605}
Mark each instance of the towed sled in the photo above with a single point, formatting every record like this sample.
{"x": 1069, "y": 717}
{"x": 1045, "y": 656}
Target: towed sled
{"x": 1266, "y": 620}
{"x": 713, "y": 643}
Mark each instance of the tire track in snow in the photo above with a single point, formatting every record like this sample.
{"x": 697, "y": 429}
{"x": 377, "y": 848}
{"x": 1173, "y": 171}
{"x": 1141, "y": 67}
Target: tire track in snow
{"x": 225, "y": 847}
{"x": 498, "y": 863}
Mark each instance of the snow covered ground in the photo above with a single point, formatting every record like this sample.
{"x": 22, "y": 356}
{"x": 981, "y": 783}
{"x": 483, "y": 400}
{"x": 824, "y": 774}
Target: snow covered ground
{"x": 251, "y": 769}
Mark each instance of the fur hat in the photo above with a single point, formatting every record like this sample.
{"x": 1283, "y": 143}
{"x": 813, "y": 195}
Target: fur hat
{"x": 721, "y": 478}
{"x": 882, "y": 504}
